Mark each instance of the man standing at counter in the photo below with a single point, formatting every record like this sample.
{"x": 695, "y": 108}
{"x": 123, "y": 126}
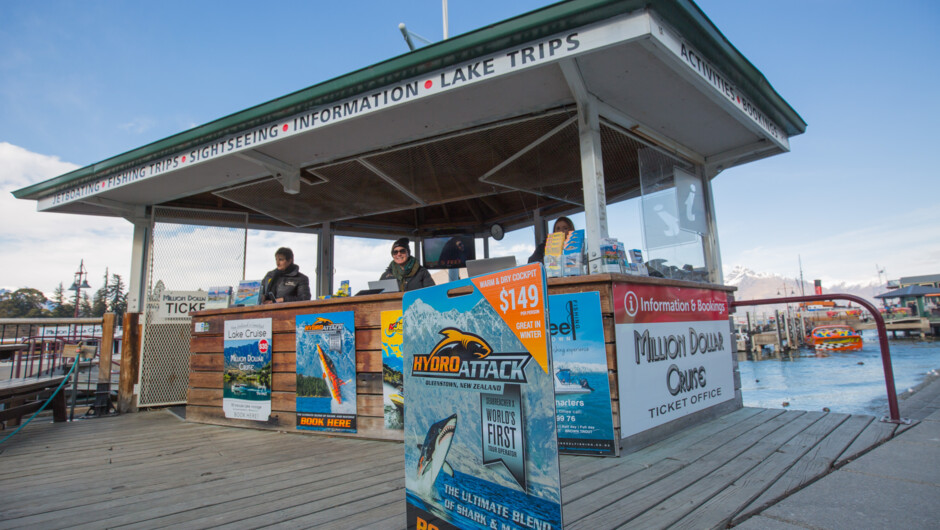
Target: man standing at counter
{"x": 405, "y": 268}
{"x": 285, "y": 283}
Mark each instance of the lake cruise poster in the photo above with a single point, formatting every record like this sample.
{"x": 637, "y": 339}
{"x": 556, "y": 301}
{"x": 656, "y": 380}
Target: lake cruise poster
{"x": 582, "y": 387}
{"x": 326, "y": 372}
{"x": 246, "y": 377}
{"x": 481, "y": 447}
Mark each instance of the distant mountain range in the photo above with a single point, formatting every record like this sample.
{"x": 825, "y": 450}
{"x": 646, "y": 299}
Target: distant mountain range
{"x": 755, "y": 285}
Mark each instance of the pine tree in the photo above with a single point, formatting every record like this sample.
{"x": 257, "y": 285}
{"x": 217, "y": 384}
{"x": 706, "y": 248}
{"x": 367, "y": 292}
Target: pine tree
{"x": 117, "y": 298}
{"x": 85, "y": 309}
{"x": 100, "y": 302}
{"x": 62, "y": 307}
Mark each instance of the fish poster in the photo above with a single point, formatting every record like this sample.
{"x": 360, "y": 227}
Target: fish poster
{"x": 246, "y": 376}
{"x": 326, "y": 372}
{"x": 582, "y": 387}
{"x": 393, "y": 393}
{"x": 481, "y": 445}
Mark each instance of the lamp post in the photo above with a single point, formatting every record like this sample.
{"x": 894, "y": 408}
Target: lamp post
{"x": 80, "y": 283}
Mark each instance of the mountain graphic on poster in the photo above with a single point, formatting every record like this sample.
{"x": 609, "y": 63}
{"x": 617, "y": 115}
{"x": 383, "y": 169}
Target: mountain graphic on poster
{"x": 309, "y": 365}
{"x": 481, "y": 320}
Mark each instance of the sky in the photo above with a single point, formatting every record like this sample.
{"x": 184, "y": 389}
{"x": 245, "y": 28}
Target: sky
{"x": 84, "y": 81}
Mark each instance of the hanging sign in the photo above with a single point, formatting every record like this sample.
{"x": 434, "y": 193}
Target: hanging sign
{"x": 480, "y": 437}
{"x": 326, "y": 372}
{"x": 673, "y": 353}
{"x": 246, "y": 376}
{"x": 582, "y": 388}
{"x": 172, "y": 307}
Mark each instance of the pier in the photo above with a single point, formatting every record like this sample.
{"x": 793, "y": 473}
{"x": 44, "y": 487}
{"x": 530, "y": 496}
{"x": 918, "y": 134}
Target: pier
{"x": 153, "y": 469}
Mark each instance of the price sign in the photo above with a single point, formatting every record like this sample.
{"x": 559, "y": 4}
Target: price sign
{"x": 518, "y": 295}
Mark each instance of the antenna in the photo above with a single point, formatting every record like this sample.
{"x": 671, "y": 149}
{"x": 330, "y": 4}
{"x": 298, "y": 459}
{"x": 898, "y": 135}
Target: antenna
{"x": 407, "y": 34}
{"x": 444, "y": 12}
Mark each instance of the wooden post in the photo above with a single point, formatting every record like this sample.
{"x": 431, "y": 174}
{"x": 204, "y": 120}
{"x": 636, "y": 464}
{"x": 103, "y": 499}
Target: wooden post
{"x": 130, "y": 363}
{"x": 103, "y": 391}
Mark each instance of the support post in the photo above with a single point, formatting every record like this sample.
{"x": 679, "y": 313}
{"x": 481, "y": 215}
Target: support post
{"x": 137, "y": 283}
{"x": 130, "y": 363}
{"x": 325, "y": 260}
{"x": 103, "y": 392}
{"x": 592, "y": 163}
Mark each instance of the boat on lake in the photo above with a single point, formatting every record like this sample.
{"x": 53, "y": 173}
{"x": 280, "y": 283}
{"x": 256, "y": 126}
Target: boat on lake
{"x": 835, "y": 338}
{"x": 566, "y": 384}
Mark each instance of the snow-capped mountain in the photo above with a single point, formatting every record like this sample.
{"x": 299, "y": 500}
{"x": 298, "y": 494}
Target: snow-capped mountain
{"x": 756, "y": 285}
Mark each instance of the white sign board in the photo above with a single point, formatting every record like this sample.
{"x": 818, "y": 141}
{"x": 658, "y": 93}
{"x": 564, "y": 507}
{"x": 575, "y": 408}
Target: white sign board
{"x": 173, "y": 307}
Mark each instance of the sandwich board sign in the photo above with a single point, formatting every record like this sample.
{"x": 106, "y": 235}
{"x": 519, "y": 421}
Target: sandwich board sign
{"x": 481, "y": 446}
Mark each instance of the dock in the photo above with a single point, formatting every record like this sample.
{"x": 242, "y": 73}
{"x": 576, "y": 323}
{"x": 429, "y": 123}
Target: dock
{"x": 153, "y": 469}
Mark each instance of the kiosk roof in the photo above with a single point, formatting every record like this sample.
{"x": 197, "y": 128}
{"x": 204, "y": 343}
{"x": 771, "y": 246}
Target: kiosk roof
{"x": 477, "y": 129}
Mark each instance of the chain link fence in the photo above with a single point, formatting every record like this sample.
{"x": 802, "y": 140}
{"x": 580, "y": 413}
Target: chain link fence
{"x": 190, "y": 250}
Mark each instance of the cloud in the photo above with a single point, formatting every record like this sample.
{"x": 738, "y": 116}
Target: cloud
{"x": 137, "y": 125}
{"x": 39, "y": 249}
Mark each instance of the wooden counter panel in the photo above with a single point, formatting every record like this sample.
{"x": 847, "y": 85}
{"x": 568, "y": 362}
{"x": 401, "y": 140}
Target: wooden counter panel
{"x": 204, "y": 397}
{"x": 369, "y": 383}
{"x": 206, "y": 344}
{"x": 284, "y": 382}
{"x": 367, "y": 427}
{"x": 205, "y": 380}
{"x": 206, "y": 362}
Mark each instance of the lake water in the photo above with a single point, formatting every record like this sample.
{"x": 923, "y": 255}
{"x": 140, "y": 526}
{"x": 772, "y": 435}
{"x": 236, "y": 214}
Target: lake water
{"x": 851, "y": 382}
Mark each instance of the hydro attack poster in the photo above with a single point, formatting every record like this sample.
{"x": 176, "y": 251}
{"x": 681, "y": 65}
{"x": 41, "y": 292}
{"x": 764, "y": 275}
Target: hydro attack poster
{"x": 481, "y": 446}
{"x": 326, "y": 372}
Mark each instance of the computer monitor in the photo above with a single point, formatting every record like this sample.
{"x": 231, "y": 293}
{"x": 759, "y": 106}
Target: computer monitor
{"x": 449, "y": 252}
{"x": 386, "y": 286}
{"x": 476, "y": 267}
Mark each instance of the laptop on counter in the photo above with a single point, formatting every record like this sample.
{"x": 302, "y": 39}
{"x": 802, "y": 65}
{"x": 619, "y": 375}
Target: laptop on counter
{"x": 476, "y": 267}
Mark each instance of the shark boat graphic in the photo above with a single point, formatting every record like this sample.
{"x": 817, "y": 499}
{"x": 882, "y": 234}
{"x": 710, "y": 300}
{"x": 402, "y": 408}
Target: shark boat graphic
{"x": 433, "y": 457}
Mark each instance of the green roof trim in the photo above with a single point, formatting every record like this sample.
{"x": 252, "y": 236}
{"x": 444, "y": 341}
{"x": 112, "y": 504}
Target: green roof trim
{"x": 684, "y": 15}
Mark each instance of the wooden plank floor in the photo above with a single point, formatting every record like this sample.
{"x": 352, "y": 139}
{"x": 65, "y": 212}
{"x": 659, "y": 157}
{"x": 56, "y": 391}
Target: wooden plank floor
{"x": 152, "y": 470}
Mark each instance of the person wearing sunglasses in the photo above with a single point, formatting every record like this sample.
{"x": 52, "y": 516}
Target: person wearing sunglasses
{"x": 405, "y": 269}
{"x": 285, "y": 283}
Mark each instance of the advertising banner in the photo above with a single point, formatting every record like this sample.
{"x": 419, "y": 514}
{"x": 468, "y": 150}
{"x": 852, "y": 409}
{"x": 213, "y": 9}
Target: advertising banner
{"x": 246, "y": 377}
{"x": 582, "y": 389}
{"x": 481, "y": 445}
{"x": 393, "y": 392}
{"x": 673, "y": 353}
{"x": 326, "y": 372}
{"x": 172, "y": 307}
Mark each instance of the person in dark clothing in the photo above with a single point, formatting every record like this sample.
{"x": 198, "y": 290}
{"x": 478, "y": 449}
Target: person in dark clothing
{"x": 285, "y": 283}
{"x": 562, "y": 224}
{"x": 405, "y": 268}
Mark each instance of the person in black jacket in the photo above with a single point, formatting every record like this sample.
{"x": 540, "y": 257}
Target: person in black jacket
{"x": 562, "y": 224}
{"x": 405, "y": 268}
{"x": 285, "y": 283}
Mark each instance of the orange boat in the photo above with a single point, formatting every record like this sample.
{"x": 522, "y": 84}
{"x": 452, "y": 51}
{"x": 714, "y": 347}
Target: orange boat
{"x": 835, "y": 338}
{"x": 329, "y": 374}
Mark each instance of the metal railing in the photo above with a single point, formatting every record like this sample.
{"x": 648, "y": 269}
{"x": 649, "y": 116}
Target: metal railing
{"x": 893, "y": 410}
{"x": 37, "y": 347}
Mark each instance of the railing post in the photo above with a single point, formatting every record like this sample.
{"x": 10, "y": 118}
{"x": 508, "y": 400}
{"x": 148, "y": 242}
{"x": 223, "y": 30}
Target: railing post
{"x": 130, "y": 363}
{"x": 895, "y": 414}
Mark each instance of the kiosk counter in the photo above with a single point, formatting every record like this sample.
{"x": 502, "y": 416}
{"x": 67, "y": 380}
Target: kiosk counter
{"x": 668, "y": 343}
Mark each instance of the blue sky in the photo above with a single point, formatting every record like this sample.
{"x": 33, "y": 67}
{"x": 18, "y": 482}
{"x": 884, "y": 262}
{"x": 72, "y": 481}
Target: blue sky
{"x": 84, "y": 81}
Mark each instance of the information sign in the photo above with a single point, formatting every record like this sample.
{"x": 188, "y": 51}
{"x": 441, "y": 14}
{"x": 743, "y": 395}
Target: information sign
{"x": 673, "y": 353}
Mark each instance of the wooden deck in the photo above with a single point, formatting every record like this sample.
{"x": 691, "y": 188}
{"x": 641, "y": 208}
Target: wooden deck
{"x": 152, "y": 470}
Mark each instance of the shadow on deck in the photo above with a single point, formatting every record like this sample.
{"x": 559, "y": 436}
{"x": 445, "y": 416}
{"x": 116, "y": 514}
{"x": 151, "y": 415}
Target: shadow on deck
{"x": 150, "y": 470}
